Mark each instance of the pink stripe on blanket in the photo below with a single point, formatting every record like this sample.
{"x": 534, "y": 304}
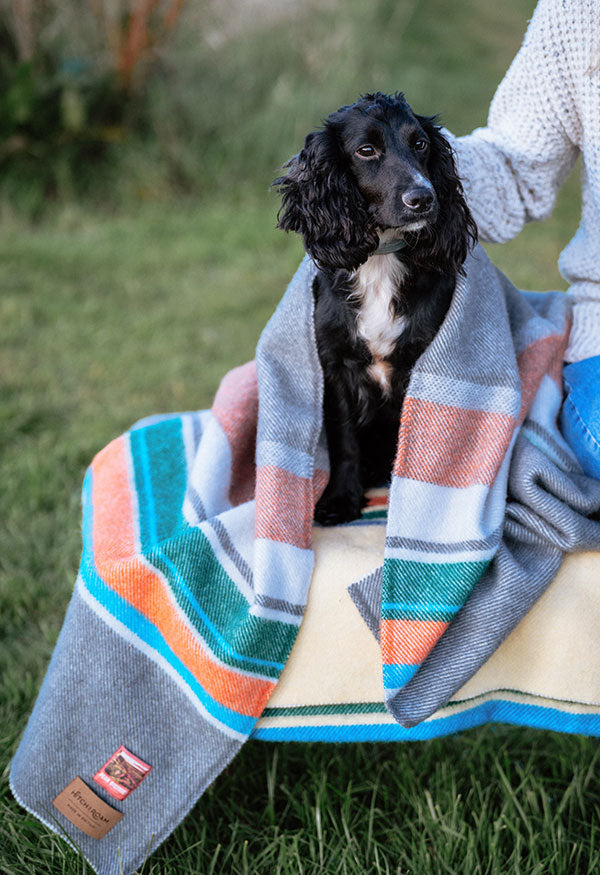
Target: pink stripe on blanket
{"x": 542, "y": 357}
{"x": 236, "y": 409}
{"x": 284, "y": 506}
{"x": 320, "y": 481}
{"x": 449, "y": 446}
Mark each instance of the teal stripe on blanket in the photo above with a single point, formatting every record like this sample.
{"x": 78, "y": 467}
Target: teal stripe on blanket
{"x": 185, "y": 557}
{"x": 418, "y": 611}
{"x": 143, "y": 629}
{"x": 439, "y": 586}
{"x": 219, "y": 611}
{"x": 160, "y": 476}
{"x": 419, "y": 600}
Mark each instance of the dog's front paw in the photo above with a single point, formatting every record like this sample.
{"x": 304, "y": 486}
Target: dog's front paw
{"x": 336, "y": 508}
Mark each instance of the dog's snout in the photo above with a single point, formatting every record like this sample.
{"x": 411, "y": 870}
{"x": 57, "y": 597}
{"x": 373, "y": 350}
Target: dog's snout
{"x": 419, "y": 200}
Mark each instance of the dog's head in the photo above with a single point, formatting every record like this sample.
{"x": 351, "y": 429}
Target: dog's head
{"x": 376, "y": 167}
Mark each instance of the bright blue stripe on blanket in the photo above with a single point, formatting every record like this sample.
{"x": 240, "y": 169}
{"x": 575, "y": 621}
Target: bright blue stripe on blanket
{"x": 496, "y": 711}
{"x": 159, "y": 418}
{"x": 222, "y": 641}
{"x": 395, "y": 676}
{"x": 140, "y": 626}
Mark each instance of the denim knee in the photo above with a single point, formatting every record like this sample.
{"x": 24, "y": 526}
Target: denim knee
{"x": 580, "y": 413}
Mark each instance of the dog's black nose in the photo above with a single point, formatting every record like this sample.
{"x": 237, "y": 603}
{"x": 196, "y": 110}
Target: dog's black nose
{"x": 419, "y": 200}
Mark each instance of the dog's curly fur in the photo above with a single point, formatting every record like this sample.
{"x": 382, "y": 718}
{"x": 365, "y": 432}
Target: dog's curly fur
{"x": 375, "y": 172}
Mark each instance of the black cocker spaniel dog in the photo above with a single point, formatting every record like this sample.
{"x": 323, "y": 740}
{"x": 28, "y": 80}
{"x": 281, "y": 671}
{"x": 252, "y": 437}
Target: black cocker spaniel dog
{"x": 377, "y": 200}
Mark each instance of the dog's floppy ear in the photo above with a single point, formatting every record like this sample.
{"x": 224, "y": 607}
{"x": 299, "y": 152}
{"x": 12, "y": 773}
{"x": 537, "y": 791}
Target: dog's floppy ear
{"x": 454, "y": 233}
{"x": 321, "y": 201}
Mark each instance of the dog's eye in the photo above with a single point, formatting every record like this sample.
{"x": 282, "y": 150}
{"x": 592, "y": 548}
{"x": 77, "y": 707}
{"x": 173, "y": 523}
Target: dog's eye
{"x": 421, "y": 145}
{"x": 366, "y": 151}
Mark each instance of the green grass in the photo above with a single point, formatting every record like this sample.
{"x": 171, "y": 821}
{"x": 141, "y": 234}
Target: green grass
{"x": 107, "y": 317}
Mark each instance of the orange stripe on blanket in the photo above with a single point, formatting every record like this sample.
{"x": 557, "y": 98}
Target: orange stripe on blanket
{"x": 449, "y": 446}
{"x": 144, "y": 589}
{"x": 320, "y": 481}
{"x": 114, "y": 530}
{"x": 407, "y": 642}
{"x": 284, "y": 506}
{"x": 377, "y": 500}
{"x": 236, "y": 408}
{"x": 542, "y": 357}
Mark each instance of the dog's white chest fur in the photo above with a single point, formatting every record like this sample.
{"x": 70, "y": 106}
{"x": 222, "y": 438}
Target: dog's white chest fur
{"x": 375, "y": 284}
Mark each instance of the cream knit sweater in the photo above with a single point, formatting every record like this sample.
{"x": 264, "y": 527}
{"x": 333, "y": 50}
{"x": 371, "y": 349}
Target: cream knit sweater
{"x": 545, "y": 113}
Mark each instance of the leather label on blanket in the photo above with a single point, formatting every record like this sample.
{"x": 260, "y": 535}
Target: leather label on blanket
{"x": 85, "y": 810}
{"x": 122, "y": 773}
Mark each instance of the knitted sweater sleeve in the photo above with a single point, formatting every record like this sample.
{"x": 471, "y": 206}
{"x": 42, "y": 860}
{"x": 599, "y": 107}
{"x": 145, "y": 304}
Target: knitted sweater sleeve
{"x": 543, "y": 115}
{"x": 513, "y": 167}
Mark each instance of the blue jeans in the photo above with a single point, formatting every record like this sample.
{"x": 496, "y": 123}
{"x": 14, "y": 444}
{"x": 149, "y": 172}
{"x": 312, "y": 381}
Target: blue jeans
{"x": 580, "y": 414}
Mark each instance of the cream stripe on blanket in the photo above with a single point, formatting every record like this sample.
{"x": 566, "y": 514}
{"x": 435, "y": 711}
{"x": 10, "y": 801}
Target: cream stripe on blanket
{"x": 545, "y": 674}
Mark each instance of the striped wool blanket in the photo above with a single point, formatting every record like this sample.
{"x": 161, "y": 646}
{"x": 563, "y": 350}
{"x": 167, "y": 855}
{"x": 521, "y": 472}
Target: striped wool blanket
{"x": 197, "y": 558}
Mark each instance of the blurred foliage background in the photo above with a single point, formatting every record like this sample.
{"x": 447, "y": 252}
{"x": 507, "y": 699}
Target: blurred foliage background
{"x": 118, "y": 99}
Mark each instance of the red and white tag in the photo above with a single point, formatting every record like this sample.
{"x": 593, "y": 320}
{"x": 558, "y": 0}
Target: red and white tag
{"x": 122, "y": 773}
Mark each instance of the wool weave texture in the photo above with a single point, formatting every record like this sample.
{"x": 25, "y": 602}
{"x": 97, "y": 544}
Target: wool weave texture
{"x": 197, "y": 557}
